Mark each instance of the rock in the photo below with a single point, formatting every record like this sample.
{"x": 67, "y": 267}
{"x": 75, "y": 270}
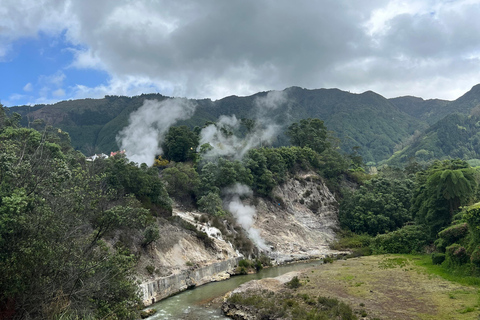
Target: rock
{"x": 147, "y": 313}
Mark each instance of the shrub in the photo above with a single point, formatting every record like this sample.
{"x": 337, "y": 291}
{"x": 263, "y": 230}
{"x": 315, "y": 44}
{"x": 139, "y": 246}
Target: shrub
{"x": 441, "y": 244}
{"x": 456, "y": 254}
{"x": 475, "y": 257}
{"x": 244, "y": 263}
{"x": 438, "y": 257}
{"x": 150, "y": 269}
{"x": 408, "y": 239}
{"x": 454, "y": 233}
{"x": 294, "y": 283}
{"x": 150, "y": 235}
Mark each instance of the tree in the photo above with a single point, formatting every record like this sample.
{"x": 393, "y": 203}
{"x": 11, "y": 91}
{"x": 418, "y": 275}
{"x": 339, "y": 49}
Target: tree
{"x": 380, "y": 206}
{"x": 182, "y": 181}
{"x": 180, "y": 144}
{"x": 441, "y": 189}
{"x": 310, "y": 133}
{"x": 54, "y": 215}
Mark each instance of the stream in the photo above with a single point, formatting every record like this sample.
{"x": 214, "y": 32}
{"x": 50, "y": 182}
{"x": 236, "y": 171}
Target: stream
{"x": 194, "y": 304}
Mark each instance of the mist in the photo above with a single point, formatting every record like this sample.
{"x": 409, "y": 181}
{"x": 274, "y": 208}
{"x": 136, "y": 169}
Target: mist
{"x": 243, "y": 214}
{"x": 147, "y": 126}
{"x": 224, "y": 144}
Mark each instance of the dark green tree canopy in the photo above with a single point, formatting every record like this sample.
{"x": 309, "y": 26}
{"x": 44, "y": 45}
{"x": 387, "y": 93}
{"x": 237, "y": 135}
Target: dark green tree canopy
{"x": 441, "y": 189}
{"x": 180, "y": 144}
{"x": 310, "y": 133}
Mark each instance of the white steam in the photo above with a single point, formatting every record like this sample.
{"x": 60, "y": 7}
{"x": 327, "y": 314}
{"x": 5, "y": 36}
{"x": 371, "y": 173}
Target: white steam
{"x": 221, "y": 135}
{"x": 142, "y": 138}
{"x": 244, "y": 214}
{"x": 271, "y": 101}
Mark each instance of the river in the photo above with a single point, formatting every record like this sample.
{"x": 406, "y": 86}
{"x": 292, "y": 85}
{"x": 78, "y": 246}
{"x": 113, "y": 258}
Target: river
{"x": 194, "y": 304}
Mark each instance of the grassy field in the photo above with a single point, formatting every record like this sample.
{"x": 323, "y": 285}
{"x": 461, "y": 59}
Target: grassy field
{"x": 394, "y": 287}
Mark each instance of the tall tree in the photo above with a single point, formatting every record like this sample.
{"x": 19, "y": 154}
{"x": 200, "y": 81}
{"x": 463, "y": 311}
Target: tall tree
{"x": 441, "y": 189}
{"x": 310, "y": 133}
{"x": 180, "y": 144}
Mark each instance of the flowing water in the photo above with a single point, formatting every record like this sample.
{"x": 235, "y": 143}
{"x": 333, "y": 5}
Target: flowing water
{"x": 194, "y": 304}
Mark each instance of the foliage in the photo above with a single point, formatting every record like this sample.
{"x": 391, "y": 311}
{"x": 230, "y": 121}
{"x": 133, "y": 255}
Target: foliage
{"x": 180, "y": 144}
{"x": 182, "y": 181}
{"x": 454, "y": 233}
{"x": 472, "y": 217}
{"x": 409, "y": 239}
{"x": 54, "y": 214}
{"x": 475, "y": 257}
{"x": 144, "y": 183}
{"x": 294, "y": 283}
{"x": 223, "y": 173}
{"x": 310, "y": 133}
{"x": 438, "y": 258}
{"x": 211, "y": 203}
{"x": 284, "y": 305}
{"x": 159, "y": 162}
{"x": 380, "y": 206}
{"x": 455, "y": 136}
{"x": 150, "y": 235}
{"x": 441, "y": 189}
{"x": 456, "y": 254}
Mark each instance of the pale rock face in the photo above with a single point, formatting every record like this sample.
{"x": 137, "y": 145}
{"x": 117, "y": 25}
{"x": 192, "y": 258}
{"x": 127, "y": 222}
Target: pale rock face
{"x": 297, "y": 230}
{"x": 299, "y": 225}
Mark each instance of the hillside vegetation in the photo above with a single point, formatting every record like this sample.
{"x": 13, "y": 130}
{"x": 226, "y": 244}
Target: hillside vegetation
{"x": 366, "y": 120}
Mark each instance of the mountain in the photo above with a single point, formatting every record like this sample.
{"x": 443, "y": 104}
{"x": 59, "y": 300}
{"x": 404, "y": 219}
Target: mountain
{"x": 455, "y": 136}
{"x": 456, "y": 133}
{"x": 367, "y": 120}
{"x": 429, "y": 111}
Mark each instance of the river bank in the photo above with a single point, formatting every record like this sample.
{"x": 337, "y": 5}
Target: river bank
{"x": 204, "y": 302}
{"x": 375, "y": 287}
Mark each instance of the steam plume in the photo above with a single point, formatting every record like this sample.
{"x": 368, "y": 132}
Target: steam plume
{"x": 225, "y": 144}
{"x": 142, "y": 138}
{"x": 244, "y": 214}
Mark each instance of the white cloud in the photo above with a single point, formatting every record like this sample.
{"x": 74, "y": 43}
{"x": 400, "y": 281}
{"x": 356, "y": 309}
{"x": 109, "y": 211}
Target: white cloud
{"x": 58, "y": 93}
{"x": 28, "y": 87}
{"x": 217, "y": 48}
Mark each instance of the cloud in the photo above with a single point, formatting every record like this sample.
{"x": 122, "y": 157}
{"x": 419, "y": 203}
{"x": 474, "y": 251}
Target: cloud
{"x": 58, "y": 93}
{"x": 217, "y": 48}
{"x": 28, "y": 87}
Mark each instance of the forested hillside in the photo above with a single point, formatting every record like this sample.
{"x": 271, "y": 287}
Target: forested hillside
{"x": 455, "y": 136}
{"x": 366, "y": 120}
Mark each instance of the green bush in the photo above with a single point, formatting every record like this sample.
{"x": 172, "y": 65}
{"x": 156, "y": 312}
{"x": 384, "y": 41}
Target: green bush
{"x": 456, "y": 254}
{"x": 475, "y": 257}
{"x": 454, "y": 233}
{"x": 438, "y": 257}
{"x": 408, "y": 239}
{"x": 294, "y": 283}
{"x": 441, "y": 244}
{"x": 244, "y": 263}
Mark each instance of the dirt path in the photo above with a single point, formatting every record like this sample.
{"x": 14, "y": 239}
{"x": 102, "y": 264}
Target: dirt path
{"x": 391, "y": 287}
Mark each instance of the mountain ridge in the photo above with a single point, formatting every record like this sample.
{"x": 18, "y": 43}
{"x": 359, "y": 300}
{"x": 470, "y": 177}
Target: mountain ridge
{"x": 366, "y": 119}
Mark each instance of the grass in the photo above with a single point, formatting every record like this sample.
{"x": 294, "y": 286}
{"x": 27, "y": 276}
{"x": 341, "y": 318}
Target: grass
{"x": 425, "y": 262}
{"x": 419, "y": 289}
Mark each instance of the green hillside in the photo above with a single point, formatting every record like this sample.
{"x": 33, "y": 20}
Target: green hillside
{"x": 455, "y": 136}
{"x": 429, "y": 111}
{"x": 367, "y": 120}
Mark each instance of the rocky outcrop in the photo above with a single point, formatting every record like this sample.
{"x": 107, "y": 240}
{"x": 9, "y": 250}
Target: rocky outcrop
{"x": 299, "y": 225}
{"x": 302, "y": 222}
{"x": 163, "y": 287}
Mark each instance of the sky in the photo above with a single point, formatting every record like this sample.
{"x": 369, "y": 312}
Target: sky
{"x": 53, "y": 50}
